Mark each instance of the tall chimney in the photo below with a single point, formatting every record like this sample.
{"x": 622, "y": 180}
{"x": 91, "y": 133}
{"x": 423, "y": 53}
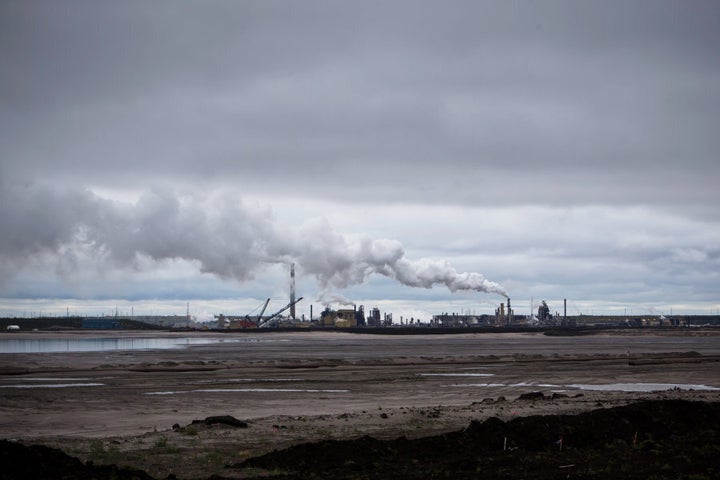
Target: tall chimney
{"x": 564, "y": 308}
{"x": 509, "y": 312}
{"x": 292, "y": 291}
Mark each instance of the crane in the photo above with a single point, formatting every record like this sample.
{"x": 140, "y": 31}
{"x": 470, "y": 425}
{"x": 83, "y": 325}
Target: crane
{"x": 268, "y": 322}
{"x": 259, "y": 317}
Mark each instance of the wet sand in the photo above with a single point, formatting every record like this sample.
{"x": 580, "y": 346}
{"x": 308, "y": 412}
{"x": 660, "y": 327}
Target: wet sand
{"x": 298, "y": 387}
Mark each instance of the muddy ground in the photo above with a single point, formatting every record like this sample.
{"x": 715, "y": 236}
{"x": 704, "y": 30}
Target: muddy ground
{"x": 121, "y": 406}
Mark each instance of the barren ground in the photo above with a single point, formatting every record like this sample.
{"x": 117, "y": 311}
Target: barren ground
{"x": 120, "y": 406}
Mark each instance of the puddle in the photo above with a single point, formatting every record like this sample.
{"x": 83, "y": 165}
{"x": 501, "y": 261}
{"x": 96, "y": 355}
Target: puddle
{"x": 609, "y": 387}
{"x": 56, "y": 345}
{"x": 250, "y": 380}
{"x": 519, "y": 384}
{"x": 245, "y": 390}
{"x": 461, "y": 385}
{"x": 54, "y": 385}
{"x": 640, "y": 387}
{"x": 76, "y": 382}
{"x": 53, "y": 379}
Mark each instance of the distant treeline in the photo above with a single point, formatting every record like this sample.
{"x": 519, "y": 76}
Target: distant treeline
{"x": 637, "y": 320}
{"x": 70, "y": 323}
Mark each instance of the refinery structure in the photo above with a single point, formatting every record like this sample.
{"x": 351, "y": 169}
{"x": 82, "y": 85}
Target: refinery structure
{"x": 355, "y": 317}
{"x": 505, "y": 316}
{"x": 341, "y": 318}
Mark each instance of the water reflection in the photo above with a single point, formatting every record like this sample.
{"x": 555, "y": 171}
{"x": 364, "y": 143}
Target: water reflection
{"x": 641, "y": 387}
{"x": 57, "y": 345}
{"x": 606, "y": 387}
{"x": 246, "y": 390}
{"x": 53, "y": 385}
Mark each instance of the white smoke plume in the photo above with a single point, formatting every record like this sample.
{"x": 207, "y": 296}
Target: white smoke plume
{"x": 219, "y": 233}
{"x": 327, "y": 298}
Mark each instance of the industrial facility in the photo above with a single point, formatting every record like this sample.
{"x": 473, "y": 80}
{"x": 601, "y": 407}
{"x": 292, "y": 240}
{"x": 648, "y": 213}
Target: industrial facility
{"x": 504, "y": 316}
{"x": 341, "y": 318}
{"x": 355, "y": 317}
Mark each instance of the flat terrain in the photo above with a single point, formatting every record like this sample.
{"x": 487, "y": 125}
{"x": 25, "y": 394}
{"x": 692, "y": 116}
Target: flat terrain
{"x": 120, "y": 406}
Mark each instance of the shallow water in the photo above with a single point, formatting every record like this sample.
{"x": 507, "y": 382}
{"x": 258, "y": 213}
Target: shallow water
{"x": 246, "y": 390}
{"x": 53, "y": 385}
{"x": 606, "y": 387}
{"x": 640, "y": 387}
{"x": 60, "y": 345}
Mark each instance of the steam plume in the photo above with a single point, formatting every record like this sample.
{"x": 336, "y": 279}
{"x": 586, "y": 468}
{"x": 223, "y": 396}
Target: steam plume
{"x": 222, "y": 235}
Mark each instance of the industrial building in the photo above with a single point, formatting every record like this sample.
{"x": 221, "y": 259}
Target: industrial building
{"x": 504, "y": 317}
{"x": 355, "y": 317}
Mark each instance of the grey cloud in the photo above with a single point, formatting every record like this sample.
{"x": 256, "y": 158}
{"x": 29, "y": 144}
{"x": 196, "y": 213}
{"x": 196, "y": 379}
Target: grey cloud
{"x": 590, "y": 102}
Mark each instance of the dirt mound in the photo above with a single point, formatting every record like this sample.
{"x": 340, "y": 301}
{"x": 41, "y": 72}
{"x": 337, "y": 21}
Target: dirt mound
{"x": 662, "y": 439}
{"x": 532, "y": 396}
{"x": 20, "y": 462}
{"x": 224, "y": 420}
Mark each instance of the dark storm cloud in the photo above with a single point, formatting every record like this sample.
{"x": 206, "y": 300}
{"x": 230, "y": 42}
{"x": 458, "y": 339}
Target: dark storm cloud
{"x": 476, "y": 102}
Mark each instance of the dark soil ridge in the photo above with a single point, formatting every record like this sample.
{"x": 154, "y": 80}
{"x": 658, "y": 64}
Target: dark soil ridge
{"x": 670, "y": 439}
{"x": 37, "y": 462}
{"x": 656, "y": 439}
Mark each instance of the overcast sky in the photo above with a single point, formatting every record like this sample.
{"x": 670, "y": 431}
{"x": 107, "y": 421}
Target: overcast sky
{"x": 422, "y": 157}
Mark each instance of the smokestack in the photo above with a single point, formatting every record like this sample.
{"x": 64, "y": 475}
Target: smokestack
{"x": 292, "y": 291}
{"x": 509, "y": 312}
{"x": 564, "y": 308}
